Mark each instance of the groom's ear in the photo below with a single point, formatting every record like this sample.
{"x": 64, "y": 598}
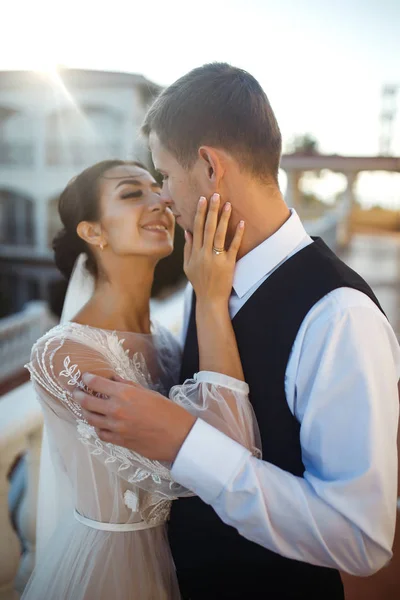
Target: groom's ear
{"x": 90, "y": 233}
{"x": 212, "y": 164}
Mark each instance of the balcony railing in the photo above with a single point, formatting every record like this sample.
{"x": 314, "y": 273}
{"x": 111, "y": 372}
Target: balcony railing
{"x": 17, "y": 335}
{"x": 20, "y": 433}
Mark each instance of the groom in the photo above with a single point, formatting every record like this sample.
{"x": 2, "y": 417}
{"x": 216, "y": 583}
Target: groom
{"x": 318, "y": 353}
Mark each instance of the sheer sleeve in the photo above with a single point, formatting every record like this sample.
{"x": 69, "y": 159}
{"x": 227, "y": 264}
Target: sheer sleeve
{"x": 57, "y": 362}
{"x": 56, "y": 365}
{"x": 224, "y": 403}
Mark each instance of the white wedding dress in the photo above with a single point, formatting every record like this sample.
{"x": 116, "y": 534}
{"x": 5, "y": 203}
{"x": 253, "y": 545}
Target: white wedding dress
{"x": 111, "y": 544}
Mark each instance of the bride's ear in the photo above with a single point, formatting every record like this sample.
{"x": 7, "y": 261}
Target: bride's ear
{"x": 91, "y": 233}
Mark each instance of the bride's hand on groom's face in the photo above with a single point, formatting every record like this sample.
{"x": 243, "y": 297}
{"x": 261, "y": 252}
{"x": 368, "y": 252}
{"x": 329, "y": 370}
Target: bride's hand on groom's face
{"x": 135, "y": 417}
{"x": 209, "y": 262}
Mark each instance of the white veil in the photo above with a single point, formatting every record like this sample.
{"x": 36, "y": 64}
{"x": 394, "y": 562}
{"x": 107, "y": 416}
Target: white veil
{"x": 80, "y": 289}
{"x": 54, "y": 497}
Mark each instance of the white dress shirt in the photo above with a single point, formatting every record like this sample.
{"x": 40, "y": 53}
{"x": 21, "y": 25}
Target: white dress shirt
{"x": 341, "y": 385}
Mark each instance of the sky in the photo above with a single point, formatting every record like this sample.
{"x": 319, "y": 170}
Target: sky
{"x": 322, "y": 63}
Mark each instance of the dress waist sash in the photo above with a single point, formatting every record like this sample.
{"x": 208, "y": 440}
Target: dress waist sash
{"x": 112, "y": 526}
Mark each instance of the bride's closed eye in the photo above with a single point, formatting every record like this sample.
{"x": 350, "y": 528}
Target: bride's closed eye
{"x": 136, "y": 194}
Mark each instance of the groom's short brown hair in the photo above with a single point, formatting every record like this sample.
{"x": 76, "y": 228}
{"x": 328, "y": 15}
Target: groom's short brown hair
{"x": 222, "y": 106}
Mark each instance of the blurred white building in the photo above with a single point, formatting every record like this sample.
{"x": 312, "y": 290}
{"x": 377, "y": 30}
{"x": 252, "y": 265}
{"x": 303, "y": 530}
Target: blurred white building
{"x": 51, "y": 127}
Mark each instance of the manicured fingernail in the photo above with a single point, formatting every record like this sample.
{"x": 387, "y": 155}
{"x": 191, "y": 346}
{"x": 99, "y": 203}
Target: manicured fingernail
{"x": 227, "y": 206}
{"x": 241, "y": 224}
{"x": 77, "y": 396}
{"x": 202, "y": 200}
{"x": 215, "y": 198}
{"x": 87, "y": 378}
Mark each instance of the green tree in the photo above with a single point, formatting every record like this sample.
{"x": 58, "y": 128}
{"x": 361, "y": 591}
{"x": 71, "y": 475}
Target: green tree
{"x": 303, "y": 144}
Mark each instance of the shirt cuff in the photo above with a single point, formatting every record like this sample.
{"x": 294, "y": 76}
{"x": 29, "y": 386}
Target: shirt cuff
{"x": 207, "y": 461}
{"x": 214, "y": 378}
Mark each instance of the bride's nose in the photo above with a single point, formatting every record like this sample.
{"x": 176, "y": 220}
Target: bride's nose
{"x": 157, "y": 204}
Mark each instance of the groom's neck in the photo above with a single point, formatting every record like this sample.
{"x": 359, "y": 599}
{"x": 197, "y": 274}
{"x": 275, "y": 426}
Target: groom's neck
{"x": 260, "y": 205}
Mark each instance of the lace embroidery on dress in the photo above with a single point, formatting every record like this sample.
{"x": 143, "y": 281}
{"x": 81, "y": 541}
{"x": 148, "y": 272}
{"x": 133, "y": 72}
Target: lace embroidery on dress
{"x": 111, "y": 347}
{"x": 117, "y": 454}
{"x": 153, "y": 488}
{"x": 47, "y": 379}
{"x": 156, "y": 504}
{"x": 131, "y": 500}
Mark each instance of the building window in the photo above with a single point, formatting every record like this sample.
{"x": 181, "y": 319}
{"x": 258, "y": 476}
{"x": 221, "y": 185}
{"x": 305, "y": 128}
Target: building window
{"x": 16, "y": 137}
{"x": 82, "y": 137}
{"x": 16, "y": 219}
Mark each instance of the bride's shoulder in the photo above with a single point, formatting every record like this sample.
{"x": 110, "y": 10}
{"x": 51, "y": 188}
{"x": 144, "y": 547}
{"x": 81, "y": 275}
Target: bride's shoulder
{"x": 69, "y": 331}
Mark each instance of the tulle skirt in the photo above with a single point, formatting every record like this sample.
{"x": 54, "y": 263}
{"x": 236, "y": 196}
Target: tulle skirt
{"x": 81, "y": 563}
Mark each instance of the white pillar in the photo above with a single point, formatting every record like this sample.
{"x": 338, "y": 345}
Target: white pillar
{"x": 344, "y": 231}
{"x": 40, "y": 217}
{"x": 9, "y": 544}
{"x": 41, "y": 225}
{"x": 292, "y": 196}
{"x": 349, "y": 191}
{"x": 130, "y": 131}
{"x": 40, "y": 142}
{"x": 21, "y": 218}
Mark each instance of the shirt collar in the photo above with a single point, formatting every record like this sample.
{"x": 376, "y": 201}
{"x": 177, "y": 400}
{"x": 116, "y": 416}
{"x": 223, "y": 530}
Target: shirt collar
{"x": 265, "y": 257}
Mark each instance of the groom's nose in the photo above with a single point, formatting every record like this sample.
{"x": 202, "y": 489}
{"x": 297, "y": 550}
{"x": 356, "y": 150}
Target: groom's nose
{"x": 166, "y": 198}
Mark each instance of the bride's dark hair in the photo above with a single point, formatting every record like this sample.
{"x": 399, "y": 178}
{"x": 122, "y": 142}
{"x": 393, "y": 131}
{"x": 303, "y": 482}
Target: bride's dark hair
{"x": 78, "y": 202}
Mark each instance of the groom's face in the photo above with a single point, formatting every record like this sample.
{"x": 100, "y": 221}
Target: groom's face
{"x": 180, "y": 189}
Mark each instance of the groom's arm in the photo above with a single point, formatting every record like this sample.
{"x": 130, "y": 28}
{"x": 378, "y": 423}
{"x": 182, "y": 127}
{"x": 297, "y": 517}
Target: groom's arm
{"x": 342, "y": 512}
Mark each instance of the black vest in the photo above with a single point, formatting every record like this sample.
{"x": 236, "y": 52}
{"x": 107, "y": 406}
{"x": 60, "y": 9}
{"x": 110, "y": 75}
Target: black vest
{"x": 211, "y": 558}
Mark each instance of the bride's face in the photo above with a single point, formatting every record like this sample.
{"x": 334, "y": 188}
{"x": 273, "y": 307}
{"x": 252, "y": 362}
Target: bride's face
{"x": 134, "y": 218}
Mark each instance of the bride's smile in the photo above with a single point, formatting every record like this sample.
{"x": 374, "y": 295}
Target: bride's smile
{"x": 134, "y": 219}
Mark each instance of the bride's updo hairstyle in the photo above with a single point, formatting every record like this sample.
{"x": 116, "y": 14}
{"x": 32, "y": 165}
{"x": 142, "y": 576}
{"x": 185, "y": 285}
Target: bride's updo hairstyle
{"x": 80, "y": 201}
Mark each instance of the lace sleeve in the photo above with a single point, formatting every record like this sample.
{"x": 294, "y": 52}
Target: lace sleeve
{"x": 56, "y": 365}
{"x": 224, "y": 403}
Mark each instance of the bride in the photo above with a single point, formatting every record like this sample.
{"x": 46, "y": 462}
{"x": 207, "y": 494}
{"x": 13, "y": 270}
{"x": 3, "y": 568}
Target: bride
{"x": 110, "y": 541}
